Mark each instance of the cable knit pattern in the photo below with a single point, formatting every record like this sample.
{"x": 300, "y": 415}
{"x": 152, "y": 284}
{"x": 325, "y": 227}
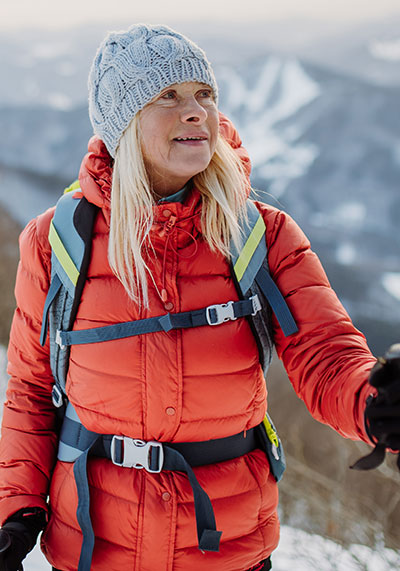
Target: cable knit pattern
{"x": 133, "y": 67}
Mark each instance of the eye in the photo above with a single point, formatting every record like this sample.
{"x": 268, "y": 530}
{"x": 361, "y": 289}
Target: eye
{"x": 205, "y": 94}
{"x": 168, "y": 95}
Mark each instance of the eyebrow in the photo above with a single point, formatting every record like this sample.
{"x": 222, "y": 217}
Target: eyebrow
{"x": 174, "y": 88}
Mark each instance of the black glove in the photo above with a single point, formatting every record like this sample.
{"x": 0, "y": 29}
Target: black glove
{"x": 18, "y": 536}
{"x": 382, "y": 412}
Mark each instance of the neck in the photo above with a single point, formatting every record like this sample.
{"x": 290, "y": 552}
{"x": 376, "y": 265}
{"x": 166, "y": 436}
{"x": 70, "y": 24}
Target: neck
{"x": 180, "y": 191}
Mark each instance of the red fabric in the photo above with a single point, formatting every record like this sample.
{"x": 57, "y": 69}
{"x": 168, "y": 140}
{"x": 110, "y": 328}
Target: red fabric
{"x": 257, "y": 567}
{"x": 189, "y": 385}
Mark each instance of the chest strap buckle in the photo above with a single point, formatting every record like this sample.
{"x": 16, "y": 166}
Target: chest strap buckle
{"x": 135, "y": 453}
{"x": 219, "y": 313}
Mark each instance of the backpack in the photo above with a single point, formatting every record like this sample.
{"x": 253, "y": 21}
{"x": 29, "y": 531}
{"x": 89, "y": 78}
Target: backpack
{"x": 70, "y": 237}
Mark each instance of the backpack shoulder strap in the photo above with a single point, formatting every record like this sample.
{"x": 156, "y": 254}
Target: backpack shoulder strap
{"x": 250, "y": 266}
{"x": 70, "y": 238}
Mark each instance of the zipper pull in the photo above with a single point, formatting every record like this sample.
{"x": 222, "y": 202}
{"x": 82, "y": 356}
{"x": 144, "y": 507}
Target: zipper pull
{"x": 170, "y": 224}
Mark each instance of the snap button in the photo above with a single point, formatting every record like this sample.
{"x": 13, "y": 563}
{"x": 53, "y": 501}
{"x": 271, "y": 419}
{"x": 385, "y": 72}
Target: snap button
{"x": 166, "y": 213}
{"x": 170, "y": 411}
{"x": 168, "y": 305}
{"x": 166, "y": 496}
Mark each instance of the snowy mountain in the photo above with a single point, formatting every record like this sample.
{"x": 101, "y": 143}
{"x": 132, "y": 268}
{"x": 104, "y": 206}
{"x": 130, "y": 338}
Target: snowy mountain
{"x": 324, "y": 146}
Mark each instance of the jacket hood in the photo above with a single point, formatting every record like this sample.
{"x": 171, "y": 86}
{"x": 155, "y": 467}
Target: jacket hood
{"x": 95, "y": 175}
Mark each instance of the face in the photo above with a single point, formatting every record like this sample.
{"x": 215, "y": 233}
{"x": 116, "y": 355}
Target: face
{"x": 179, "y": 131}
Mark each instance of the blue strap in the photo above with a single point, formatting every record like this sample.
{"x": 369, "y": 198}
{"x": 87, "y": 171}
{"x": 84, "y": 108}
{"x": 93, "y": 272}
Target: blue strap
{"x": 277, "y": 302}
{"x": 83, "y": 511}
{"x": 185, "y": 320}
{"x": 76, "y": 437}
{"x": 208, "y": 536}
{"x": 54, "y": 288}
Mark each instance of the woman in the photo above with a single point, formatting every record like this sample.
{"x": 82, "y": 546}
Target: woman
{"x": 169, "y": 178}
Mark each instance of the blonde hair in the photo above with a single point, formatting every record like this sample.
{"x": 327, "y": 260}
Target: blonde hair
{"x": 223, "y": 187}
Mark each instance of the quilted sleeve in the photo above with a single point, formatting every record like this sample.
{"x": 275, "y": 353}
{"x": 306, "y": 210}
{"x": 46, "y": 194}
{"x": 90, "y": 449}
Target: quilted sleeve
{"x": 28, "y": 438}
{"x": 328, "y": 360}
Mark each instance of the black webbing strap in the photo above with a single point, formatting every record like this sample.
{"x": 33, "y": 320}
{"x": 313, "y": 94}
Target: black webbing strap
{"x": 211, "y": 315}
{"x": 207, "y": 534}
{"x": 54, "y": 288}
{"x": 176, "y": 457}
{"x": 83, "y": 510}
{"x": 277, "y": 302}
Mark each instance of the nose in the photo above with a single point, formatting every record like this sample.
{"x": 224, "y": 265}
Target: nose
{"x": 193, "y": 112}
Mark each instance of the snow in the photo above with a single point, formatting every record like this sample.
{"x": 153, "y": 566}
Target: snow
{"x": 391, "y": 282}
{"x": 351, "y": 213}
{"x": 300, "y": 551}
{"x": 346, "y": 254}
{"x": 258, "y": 106}
{"x": 305, "y": 552}
{"x": 346, "y": 215}
{"x": 386, "y": 50}
{"x": 257, "y": 97}
{"x": 294, "y": 162}
{"x": 297, "y": 90}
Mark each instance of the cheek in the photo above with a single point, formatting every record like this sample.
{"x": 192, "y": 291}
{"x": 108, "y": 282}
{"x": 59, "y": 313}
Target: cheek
{"x": 153, "y": 146}
{"x": 149, "y": 130}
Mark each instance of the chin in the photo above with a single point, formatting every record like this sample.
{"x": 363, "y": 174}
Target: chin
{"x": 195, "y": 169}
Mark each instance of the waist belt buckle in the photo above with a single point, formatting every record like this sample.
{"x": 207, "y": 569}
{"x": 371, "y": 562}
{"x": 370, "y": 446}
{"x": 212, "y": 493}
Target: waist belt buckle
{"x": 136, "y": 453}
{"x": 219, "y": 313}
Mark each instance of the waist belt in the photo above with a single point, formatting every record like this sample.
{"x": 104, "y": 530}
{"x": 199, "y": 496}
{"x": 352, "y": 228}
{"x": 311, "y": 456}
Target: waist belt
{"x": 136, "y": 453}
{"x": 77, "y": 443}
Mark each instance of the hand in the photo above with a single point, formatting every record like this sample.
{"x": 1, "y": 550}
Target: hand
{"x": 14, "y": 546}
{"x": 18, "y": 536}
{"x": 382, "y": 412}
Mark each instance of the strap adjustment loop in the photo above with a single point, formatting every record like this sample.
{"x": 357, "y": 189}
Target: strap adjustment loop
{"x": 255, "y": 301}
{"x": 59, "y": 340}
{"x": 219, "y": 313}
{"x": 134, "y": 453}
{"x": 57, "y": 396}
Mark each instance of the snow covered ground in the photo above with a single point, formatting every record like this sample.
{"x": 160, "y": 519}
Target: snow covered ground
{"x": 300, "y": 551}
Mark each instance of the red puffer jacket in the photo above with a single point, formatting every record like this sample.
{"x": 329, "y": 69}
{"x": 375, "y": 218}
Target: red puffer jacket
{"x": 185, "y": 385}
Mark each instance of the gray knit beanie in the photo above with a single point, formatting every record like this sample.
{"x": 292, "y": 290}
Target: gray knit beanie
{"x": 131, "y": 68}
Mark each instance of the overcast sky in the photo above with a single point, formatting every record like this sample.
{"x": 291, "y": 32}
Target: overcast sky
{"x": 53, "y": 13}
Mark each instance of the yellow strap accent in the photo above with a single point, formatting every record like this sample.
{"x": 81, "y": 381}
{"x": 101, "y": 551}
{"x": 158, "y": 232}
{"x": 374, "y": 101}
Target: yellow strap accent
{"x": 249, "y": 248}
{"x": 74, "y": 186}
{"x": 62, "y": 255}
{"x": 272, "y": 435}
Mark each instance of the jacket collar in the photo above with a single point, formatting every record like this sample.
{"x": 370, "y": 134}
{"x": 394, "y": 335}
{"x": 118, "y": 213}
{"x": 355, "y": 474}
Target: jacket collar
{"x": 95, "y": 177}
